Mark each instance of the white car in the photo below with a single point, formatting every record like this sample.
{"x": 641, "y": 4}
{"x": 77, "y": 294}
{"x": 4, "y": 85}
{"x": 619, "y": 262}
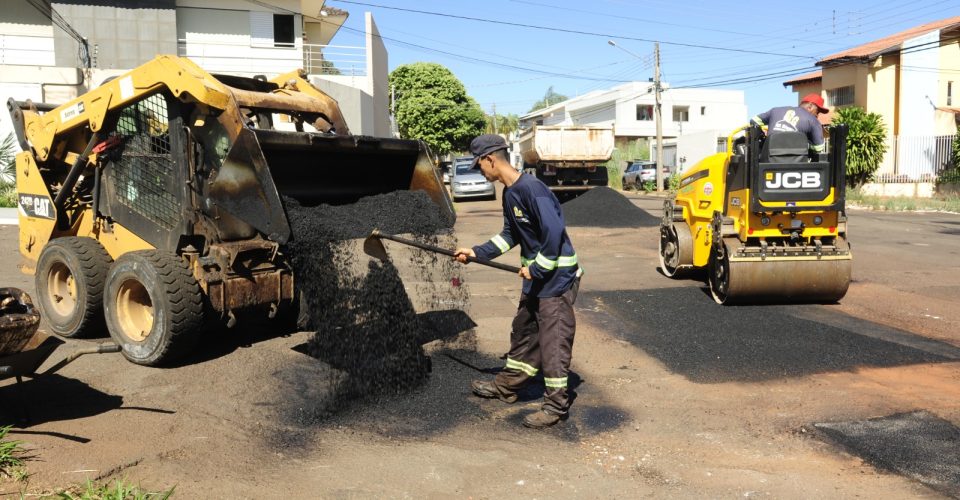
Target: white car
{"x": 468, "y": 183}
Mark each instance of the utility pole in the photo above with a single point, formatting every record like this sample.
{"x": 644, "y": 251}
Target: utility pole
{"x": 658, "y": 115}
{"x": 494, "y": 118}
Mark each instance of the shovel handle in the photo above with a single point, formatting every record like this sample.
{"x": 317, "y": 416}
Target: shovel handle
{"x": 445, "y": 251}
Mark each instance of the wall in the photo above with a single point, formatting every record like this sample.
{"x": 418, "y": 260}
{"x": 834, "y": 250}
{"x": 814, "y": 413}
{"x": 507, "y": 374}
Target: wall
{"x": 356, "y": 105}
{"x": 118, "y": 37}
{"x": 219, "y": 40}
{"x": 806, "y": 88}
{"x": 26, "y": 36}
{"x": 378, "y": 78}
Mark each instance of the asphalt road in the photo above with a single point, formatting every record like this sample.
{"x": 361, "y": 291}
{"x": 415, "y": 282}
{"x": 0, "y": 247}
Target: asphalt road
{"x": 676, "y": 396}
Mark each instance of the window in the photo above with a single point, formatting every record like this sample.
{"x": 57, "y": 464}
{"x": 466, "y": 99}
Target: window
{"x": 681, "y": 113}
{"x": 842, "y": 96}
{"x": 644, "y": 112}
{"x": 283, "y": 32}
{"x": 703, "y": 110}
{"x": 949, "y": 93}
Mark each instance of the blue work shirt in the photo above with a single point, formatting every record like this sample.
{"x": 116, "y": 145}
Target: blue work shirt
{"x": 532, "y": 218}
{"x": 793, "y": 119}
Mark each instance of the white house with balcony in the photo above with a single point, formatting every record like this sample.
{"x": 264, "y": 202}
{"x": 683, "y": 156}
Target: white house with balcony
{"x": 55, "y": 55}
{"x": 705, "y": 114}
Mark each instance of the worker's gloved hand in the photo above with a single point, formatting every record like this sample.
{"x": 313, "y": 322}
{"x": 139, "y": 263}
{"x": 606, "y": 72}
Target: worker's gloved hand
{"x": 525, "y": 273}
{"x": 461, "y": 254}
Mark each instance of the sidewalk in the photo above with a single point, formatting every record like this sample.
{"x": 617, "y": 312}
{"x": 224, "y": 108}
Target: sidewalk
{"x": 8, "y": 216}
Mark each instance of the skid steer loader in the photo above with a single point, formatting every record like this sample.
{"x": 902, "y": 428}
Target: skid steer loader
{"x": 766, "y": 219}
{"x": 155, "y": 199}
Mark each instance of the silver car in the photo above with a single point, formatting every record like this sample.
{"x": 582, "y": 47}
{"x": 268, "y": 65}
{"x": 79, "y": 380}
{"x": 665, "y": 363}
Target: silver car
{"x": 639, "y": 172}
{"x": 468, "y": 183}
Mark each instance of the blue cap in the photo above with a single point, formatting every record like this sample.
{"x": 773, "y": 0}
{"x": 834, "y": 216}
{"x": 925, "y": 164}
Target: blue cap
{"x": 483, "y": 145}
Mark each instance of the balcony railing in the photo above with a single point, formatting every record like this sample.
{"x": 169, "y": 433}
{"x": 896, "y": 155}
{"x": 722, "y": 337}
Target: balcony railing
{"x": 249, "y": 59}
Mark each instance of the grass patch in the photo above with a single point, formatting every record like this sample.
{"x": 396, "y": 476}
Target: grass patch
{"x": 119, "y": 490}
{"x": 10, "y": 453}
{"x": 941, "y": 203}
{"x": 8, "y": 196}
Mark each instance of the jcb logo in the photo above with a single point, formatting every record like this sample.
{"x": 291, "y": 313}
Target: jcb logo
{"x": 793, "y": 180}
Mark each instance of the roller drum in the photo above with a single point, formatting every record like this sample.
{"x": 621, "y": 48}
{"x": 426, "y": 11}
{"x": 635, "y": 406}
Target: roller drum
{"x": 779, "y": 279}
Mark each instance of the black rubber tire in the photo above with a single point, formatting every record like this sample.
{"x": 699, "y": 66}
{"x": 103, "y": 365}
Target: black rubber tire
{"x": 175, "y": 298}
{"x": 88, "y": 263}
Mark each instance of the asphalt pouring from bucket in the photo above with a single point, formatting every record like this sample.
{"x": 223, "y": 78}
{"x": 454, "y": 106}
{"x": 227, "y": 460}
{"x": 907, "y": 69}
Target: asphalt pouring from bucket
{"x": 367, "y": 326}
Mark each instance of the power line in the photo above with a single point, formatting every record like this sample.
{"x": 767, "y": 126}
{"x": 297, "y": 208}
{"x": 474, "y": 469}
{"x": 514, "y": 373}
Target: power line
{"x": 576, "y": 32}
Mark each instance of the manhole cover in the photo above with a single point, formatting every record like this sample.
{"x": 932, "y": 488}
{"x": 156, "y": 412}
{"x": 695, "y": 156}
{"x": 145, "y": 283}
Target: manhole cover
{"x": 918, "y": 444}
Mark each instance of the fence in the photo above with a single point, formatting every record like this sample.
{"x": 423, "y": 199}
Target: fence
{"x": 915, "y": 158}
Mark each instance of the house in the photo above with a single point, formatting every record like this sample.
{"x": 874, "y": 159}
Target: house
{"x": 629, "y": 108}
{"x": 54, "y": 54}
{"x": 912, "y": 80}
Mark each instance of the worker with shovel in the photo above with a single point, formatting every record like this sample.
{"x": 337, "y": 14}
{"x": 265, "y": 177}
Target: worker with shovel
{"x": 544, "y": 326}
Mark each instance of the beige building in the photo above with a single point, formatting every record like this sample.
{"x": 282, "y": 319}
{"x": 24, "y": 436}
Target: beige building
{"x": 912, "y": 80}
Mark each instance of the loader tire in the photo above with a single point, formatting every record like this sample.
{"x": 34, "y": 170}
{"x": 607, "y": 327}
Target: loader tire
{"x": 70, "y": 278}
{"x": 153, "y": 307}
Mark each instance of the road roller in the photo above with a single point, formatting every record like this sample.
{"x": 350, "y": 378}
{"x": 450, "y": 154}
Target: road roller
{"x": 765, "y": 219}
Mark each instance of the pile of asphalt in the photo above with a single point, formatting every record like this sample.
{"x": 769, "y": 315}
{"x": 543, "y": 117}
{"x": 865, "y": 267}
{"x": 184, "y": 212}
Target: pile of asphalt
{"x": 604, "y": 207}
{"x": 366, "y": 326}
{"x": 917, "y": 444}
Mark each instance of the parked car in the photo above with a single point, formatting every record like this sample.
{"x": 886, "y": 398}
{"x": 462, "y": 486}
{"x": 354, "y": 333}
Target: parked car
{"x": 639, "y": 172}
{"x": 445, "y": 168}
{"x": 468, "y": 183}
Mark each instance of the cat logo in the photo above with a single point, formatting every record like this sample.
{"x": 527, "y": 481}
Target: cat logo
{"x": 793, "y": 180}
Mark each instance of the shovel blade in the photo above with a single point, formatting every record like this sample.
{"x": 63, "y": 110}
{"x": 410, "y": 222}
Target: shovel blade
{"x": 373, "y": 246}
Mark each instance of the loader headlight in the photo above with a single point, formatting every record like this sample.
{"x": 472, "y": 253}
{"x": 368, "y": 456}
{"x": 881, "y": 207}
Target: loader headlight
{"x": 818, "y": 220}
{"x": 765, "y": 220}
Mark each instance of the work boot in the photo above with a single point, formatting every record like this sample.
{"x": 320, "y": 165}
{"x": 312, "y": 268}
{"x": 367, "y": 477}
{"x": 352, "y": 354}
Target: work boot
{"x": 541, "y": 419}
{"x": 487, "y": 389}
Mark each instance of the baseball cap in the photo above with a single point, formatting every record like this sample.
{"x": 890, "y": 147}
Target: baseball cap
{"x": 815, "y": 99}
{"x": 483, "y": 145}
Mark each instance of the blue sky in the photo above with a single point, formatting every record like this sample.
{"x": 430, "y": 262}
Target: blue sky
{"x": 764, "y": 43}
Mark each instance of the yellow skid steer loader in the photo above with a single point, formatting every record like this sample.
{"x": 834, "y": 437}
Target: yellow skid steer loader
{"x": 156, "y": 198}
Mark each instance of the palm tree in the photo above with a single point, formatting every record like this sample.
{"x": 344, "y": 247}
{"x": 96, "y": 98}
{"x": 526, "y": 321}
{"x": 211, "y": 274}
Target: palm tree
{"x": 8, "y": 153}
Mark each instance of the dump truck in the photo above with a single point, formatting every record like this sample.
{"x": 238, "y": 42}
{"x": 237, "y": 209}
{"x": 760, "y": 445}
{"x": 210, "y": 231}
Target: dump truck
{"x": 156, "y": 201}
{"x": 569, "y": 160}
{"x": 766, "y": 220}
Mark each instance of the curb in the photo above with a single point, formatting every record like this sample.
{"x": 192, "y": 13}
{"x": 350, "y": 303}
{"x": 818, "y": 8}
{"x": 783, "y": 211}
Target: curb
{"x": 9, "y": 217}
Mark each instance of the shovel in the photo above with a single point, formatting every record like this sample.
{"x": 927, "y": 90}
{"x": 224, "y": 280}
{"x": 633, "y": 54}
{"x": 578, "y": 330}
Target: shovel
{"x": 373, "y": 246}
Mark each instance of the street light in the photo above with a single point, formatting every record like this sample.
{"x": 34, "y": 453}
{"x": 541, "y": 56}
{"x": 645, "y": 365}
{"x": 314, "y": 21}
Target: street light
{"x": 614, "y": 44}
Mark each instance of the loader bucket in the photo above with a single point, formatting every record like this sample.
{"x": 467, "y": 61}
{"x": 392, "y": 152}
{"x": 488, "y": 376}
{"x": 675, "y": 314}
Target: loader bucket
{"x": 18, "y": 320}
{"x": 316, "y": 168}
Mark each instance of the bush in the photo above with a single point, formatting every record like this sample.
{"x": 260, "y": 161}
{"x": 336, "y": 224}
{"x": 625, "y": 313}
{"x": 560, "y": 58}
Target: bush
{"x": 866, "y": 143}
{"x": 8, "y": 196}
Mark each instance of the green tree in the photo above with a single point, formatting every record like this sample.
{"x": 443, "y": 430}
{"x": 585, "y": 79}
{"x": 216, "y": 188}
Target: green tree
{"x": 549, "y": 99}
{"x": 505, "y": 123}
{"x": 432, "y": 105}
{"x": 866, "y": 143}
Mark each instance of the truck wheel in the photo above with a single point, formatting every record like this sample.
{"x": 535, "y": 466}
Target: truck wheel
{"x": 153, "y": 306}
{"x": 69, "y": 280}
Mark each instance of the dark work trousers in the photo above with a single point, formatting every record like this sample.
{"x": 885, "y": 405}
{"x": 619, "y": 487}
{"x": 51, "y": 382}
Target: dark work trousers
{"x": 542, "y": 339}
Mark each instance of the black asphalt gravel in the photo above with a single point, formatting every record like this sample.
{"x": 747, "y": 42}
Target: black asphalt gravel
{"x": 917, "y": 444}
{"x": 604, "y": 207}
{"x": 708, "y": 343}
{"x": 366, "y": 327}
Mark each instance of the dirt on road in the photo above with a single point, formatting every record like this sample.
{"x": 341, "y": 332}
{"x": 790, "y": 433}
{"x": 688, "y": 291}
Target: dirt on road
{"x": 676, "y": 396}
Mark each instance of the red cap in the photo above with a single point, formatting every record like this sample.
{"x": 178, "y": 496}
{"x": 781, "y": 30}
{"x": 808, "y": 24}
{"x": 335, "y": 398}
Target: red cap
{"x": 815, "y": 99}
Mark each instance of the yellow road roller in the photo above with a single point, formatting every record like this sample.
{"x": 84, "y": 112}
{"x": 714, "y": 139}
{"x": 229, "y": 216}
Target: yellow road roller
{"x": 766, "y": 219}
